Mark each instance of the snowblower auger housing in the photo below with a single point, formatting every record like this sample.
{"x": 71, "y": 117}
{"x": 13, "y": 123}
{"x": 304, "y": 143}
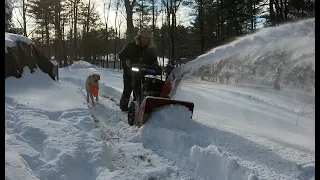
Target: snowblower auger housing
{"x": 150, "y": 93}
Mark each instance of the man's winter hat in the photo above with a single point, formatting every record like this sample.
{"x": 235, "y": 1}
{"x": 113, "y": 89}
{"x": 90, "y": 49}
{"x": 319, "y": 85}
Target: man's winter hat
{"x": 145, "y": 33}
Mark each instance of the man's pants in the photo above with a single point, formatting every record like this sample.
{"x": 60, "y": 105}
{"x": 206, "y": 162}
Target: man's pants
{"x": 128, "y": 87}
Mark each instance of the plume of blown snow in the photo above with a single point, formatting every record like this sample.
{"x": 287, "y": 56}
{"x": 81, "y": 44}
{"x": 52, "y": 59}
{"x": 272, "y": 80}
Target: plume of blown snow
{"x": 283, "y": 54}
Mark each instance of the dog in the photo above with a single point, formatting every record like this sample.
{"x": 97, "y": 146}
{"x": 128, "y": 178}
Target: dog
{"x": 92, "y": 87}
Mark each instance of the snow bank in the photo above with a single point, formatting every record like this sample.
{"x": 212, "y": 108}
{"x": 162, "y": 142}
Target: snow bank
{"x": 81, "y": 64}
{"x": 52, "y": 131}
{"x": 212, "y": 153}
{"x": 29, "y": 80}
{"x": 80, "y": 70}
{"x": 172, "y": 133}
{"x": 38, "y": 90}
{"x": 16, "y": 167}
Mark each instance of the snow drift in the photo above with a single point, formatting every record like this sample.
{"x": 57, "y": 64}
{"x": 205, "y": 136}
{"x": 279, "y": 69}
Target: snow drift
{"x": 53, "y": 135}
{"x": 214, "y": 154}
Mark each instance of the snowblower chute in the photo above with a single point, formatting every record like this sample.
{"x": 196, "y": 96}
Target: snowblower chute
{"x": 152, "y": 93}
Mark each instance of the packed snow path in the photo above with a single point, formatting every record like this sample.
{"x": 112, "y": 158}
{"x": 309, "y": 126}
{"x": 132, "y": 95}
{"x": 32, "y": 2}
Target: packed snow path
{"x": 58, "y": 138}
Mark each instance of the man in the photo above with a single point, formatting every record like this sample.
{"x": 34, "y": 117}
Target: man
{"x": 142, "y": 50}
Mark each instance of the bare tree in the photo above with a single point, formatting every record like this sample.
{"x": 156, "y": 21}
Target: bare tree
{"x": 129, "y": 7}
{"x": 172, "y": 7}
{"x": 60, "y": 48}
{"x": 201, "y": 26}
{"x": 24, "y": 18}
{"x": 106, "y": 19}
{"x": 75, "y": 28}
{"x": 115, "y": 40}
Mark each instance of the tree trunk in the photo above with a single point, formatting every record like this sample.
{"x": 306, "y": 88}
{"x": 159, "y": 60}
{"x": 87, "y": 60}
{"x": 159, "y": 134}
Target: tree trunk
{"x": 115, "y": 40}
{"x": 276, "y": 2}
{"x": 24, "y": 12}
{"x": 271, "y": 13}
{"x": 153, "y": 18}
{"x": 201, "y": 28}
{"x": 169, "y": 32}
{"x": 142, "y": 13}
{"x": 57, "y": 20}
{"x": 252, "y": 14}
{"x": 218, "y": 24}
{"x": 119, "y": 43}
{"x": 107, "y": 36}
{"x": 107, "y": 44}
{"x": 172, "y": 36}
{"x": 47, "y": 35}
{"x": 222, "y": 20}
{"x": 129, "y": 7}
{"x": 75, "y": 33}
{"x": 285, "y": 10}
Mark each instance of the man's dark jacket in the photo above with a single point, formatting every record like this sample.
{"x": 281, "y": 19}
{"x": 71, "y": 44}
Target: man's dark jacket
{"x": 136, "y": 54}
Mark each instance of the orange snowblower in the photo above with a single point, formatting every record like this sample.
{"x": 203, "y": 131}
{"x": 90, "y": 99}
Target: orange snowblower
{"x": 151, "y": 93}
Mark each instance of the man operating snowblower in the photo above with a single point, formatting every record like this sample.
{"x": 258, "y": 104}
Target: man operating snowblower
{"x": 141, "y": 50}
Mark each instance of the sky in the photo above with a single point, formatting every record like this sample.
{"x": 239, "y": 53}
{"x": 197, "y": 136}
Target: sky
{"x": 183, "y": 16}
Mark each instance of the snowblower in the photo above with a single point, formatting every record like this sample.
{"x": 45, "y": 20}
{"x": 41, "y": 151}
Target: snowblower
{"x": 151, "y": 93}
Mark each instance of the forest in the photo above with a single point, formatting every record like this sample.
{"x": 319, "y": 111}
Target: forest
{"x": 70, "y": 30}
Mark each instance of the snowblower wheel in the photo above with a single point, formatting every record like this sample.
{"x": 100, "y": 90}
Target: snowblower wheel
{"x": 133, "y": 112}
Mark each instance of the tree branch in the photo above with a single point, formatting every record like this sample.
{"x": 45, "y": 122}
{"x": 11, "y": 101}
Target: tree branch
{"x": 132, "y": 4}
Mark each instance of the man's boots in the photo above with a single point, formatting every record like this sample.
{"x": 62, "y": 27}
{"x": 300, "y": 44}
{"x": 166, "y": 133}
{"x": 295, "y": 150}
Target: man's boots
{"x": 123, "y": 103}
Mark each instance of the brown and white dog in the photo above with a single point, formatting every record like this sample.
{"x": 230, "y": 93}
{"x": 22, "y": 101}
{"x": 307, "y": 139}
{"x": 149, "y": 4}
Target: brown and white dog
{"x": 92, "y": 87}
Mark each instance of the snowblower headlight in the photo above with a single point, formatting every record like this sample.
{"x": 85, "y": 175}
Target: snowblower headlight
{"x": 135, "y": 69}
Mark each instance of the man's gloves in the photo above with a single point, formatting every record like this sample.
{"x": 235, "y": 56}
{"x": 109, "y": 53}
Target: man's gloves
{"x": 128, "y": 62}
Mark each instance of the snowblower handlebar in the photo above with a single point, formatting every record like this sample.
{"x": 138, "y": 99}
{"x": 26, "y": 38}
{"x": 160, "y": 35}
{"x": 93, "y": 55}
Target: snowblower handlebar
{"x": 146, "y": 69}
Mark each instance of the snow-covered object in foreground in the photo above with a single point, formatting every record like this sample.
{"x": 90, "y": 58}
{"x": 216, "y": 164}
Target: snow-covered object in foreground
{"x": 20, "y": 51}
{"x": 11, "y": 40}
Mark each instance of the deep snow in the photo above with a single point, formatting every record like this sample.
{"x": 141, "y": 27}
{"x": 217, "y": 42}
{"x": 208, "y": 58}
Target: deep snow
{"x": 237, "y": 131}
